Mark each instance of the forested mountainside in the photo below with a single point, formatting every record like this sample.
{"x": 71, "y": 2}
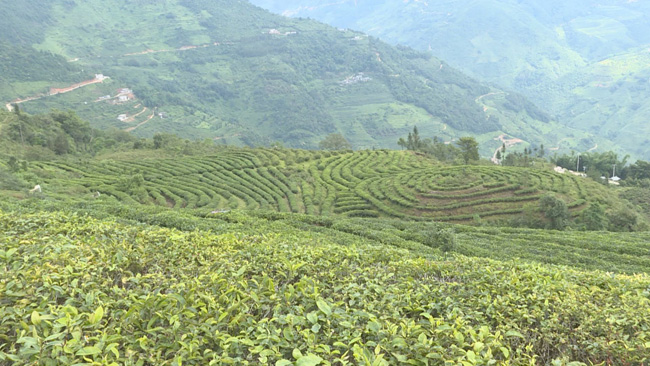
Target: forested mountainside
{"x": 581, "y": 61}
{"x": 232, "y": 72}
{"x": 498, "y": 40}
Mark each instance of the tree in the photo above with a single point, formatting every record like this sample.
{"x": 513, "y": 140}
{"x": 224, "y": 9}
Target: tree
{"x": 61, "y": 145}
{"x": 602, "y": 163}
{"x": 468, "y": 149}
{"x": 13, "y": 164}
{"x": 166, "y": 141}
{"x": 444, "y": 239}
{"x": 640, "y": 170}
{"x": 401, "y": 142}
{"x": 555, "y": 210}
{"x": 335, "y": 141}
{"x": 74, "y": 127}
{"x": 413, "y": 142}
{"x": 440, "y": 150}
{"x": 593, "y": 218}
{"x": 133, "y": 185}
{"x": 622, "y": 219}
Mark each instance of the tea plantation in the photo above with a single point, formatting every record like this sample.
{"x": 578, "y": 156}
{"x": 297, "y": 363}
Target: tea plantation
{"x": 294, "y": 257}
{"x": 98, "y": 284}
{"x": 355, "y": 184}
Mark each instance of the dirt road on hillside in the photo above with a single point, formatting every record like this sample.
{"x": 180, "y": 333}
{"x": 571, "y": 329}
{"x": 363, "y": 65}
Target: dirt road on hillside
{"x": 55, "y": 91}
{"x": 487, "y": 95}
{"x": 153, "y": 114}
{"x": 508, "y": 142}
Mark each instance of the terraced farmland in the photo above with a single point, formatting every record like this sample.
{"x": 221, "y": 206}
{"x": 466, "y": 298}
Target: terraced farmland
{"x": 355, "y": 184}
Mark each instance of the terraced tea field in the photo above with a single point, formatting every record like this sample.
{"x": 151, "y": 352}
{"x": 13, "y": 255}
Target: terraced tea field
{"x": 355, "y": 184}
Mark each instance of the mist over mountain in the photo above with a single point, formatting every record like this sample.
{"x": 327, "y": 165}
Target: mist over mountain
{"x": 577, "y": 60}
{"x": 508, "y": 42}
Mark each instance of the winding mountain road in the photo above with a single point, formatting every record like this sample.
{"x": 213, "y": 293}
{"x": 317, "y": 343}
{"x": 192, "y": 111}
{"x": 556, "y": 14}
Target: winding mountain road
{"x": 153, "y": 113}
{"x": 487, "y": 95}
{"x": 55, "y": 91}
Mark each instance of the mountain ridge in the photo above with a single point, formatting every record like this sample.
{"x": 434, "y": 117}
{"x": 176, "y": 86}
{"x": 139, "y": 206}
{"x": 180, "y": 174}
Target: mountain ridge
{"x": 550, "y": 51}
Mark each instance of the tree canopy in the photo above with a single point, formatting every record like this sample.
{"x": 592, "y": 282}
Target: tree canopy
{"x": 468, "y": 149}
{"x": 335, "y": 141}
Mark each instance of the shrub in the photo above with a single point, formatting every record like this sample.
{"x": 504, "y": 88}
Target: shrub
{"x": 555, "y": 210}
{"x": 444, "y": 239}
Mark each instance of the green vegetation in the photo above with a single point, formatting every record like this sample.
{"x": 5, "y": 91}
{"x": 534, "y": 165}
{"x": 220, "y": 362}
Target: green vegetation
{"x": 152, "y": 241}
{"x": 492, "y": 40}
{"x": 172, "y": 172}
{"x": 355, "y": 184}
{"x": 43, "y": 137}
{"x": 226, "y": 70}
{"x": 80, "y": 289}
{"x": 584, "y": 63}
{"x": 465, "y": 149}
{"x": 335, "y": 141}
{"x": 24, "y": 65}
{"x": 608, "y": 98}
{"x": 166, "y": 251}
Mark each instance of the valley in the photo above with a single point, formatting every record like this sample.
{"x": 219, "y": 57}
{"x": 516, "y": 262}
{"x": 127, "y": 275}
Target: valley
{"x": 212, "y": 80}
{"x": 581, "y": 62}
{"x": 234, "y": 192}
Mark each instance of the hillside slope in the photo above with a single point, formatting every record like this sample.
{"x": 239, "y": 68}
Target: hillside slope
{"x": 231, "y": 72}
{"x": 581, "y": 61}
{"x": 266, "y": 293}
{"x": 378, "y": 183}
{"x": 510, "y": 43}
{"x": 609, "y": 98}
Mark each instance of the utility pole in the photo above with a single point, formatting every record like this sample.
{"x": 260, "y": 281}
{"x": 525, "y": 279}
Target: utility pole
{"x": 614, "y": 171}
{"x": 578, "y": 164}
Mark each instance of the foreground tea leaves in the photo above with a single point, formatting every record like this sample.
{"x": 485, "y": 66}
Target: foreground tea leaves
{"x": 79, "y": 290}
